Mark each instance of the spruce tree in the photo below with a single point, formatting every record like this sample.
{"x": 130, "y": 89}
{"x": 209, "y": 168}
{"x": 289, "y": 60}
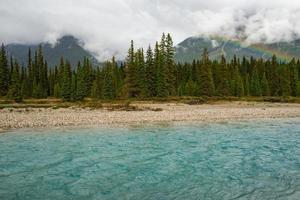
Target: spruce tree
{"x": 132, "y": 86}
{"x": 274, "y": 77}
{"x": 57, "y": 92}
{"x": 255, "y": 88}
{"x": 240, "y": 91}
{"x": 141, "y": 72}
{"x": 247, "y": 85}
{"x": 170, "y": 65}
{"x": 190, "y": 88}
{"x": 15, "y": 88}
{"x": 161, "y": 73}
{"x": 118, "y": 76}
{"x": 237, "y": 81}
{"x": 108, "y": 83}
{"x": 74, "y": 86}
{"x": 66, "y": 89}
{"x": 81, "y": 83}
{"x": 150, "y": 73}
{"x": 293, "y": 77}
{"x": 298, "y": 89}
{"x": 265, "y": 90}
{"x": 30, "y": 73}
{"x": 222, "y": 85}
{"x": 206, "y": 79}
{"x": 285, "y": 82}
{"x": 4, "y": 72}
{"x": 97, "y": 85}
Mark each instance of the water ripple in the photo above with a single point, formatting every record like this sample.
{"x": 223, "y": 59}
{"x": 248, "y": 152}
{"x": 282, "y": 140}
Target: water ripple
{"x": 234, "y": 160}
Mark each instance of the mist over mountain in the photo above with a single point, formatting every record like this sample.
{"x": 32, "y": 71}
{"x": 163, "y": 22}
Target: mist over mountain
{"x": 68, "y": 47}
{"x": 186, "y": 51}
{"x": 192, "y": 48}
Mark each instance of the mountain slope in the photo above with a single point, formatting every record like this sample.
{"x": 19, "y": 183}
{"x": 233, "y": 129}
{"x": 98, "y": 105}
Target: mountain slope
{"x": 68, "y": 47}
{"x": 192, "y": 48}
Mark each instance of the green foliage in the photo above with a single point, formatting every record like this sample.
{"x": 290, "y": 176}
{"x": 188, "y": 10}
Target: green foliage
{"x": 57, "y": 92}
{"x": 4, "y": 72}
{"x": 154, "y": 75}
{"x": 97, "y": 86}
{"x": 170, "y": 65}
{"x": 247, "y": 85}
{"x": 161, "y": 73}
{"x": 293, "y": 77}
{"x": 222, "y": 83}
{"x": 132, "y": 83}
{"x": 206, "y": 79}
{"x": 109, "y": 89}
{"x": 15, "y": 87}
{"x": 255, "y": 88}
{"x": 190, "y": 89}
{"x": 82, "y": 86}
{"x": 265, "y": 86}
{"x": 150, "y": 74}
{"x": 66, "y": 88}
{"x": 298, "y": 89}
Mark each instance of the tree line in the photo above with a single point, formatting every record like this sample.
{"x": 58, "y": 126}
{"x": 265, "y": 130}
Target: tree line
{"x": 147, "y": 74}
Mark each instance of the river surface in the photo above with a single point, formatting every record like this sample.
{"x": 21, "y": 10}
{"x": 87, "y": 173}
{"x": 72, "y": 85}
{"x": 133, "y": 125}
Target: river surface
{"x": 234, "y": 160}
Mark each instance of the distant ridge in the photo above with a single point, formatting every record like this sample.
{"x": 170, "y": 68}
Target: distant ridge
{"x": 68, "y": 46}
{"x": 192, "y": 47}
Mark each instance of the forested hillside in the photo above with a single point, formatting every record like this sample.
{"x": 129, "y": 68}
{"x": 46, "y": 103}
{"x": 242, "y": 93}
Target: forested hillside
{"x": 68, "y": 47}
{"x": 189, "y": 49}
{"x": 146, "y": 74}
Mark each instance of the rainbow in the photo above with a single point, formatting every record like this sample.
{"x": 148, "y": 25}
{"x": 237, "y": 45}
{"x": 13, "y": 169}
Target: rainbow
{"x": 265, "y": 50}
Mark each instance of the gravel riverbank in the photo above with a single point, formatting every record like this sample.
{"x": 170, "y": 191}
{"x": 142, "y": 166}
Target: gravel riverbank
{"x": 167, "y": 112}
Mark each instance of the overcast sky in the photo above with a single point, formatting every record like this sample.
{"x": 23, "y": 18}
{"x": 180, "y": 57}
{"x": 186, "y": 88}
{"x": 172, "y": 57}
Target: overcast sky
{"x": 107, "y": 26}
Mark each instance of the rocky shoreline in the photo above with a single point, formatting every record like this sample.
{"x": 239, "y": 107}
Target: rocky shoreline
{"x": 14, "y": 118}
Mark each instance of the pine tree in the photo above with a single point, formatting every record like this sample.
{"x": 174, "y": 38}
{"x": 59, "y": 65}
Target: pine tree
{"x": 132, "y": 86}
{"x": 206, "y": 79}
{"x": 108, "y": 83}
{"x": 26, "y": 85}
{"x": 30, "y": 73}
{"x": 293, "y": 77}
{"x": 161, "y": 73}
{"x": 15, "y": 88}
{"x": 255, "y": 88}
{"x": 118, "y": 76}
{"x": 222, "y": 85}
{"x": 73, "y": 86}
{"x": 57, "y": 92}
{"x": 97, "y": 86}
{"x": 88, "y": 74}
{"x": 298, "y": 89}
{"x": 265, "y": 86}
{"x": 190, "y": 88}
{"x": 4, "y": 72}
{"x": 170, "y": 65}
{"x": 247, "y": 85}
{"x": 81, "y": 83}
{"x": 42, "y": 68}
{"x": 237, "y": 81}
{"x": 66, "y": 89}
{"x": 274, "y": 77}
{"x": 150, "y": 73}
{"x": 285, "y": 82}
{"x": 141, "y": 72}
{"x": 240, "y": 91}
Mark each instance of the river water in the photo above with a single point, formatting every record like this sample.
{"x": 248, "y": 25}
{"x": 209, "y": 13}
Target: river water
{"x": 233, "y": 160}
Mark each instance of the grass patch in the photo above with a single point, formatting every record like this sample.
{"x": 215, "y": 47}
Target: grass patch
{"x": 131, "y": 104}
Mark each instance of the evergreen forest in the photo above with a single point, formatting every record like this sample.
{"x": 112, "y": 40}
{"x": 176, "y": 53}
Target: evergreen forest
{"x": 147, "y": 73}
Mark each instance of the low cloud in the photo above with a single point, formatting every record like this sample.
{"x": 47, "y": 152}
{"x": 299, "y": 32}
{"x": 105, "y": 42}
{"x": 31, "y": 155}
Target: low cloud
{"x": 107, "y": 26}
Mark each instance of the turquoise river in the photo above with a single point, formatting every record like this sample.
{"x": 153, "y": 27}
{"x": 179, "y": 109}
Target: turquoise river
{"x": 234, "y": 160}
